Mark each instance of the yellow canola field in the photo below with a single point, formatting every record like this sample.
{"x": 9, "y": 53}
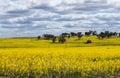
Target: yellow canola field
{"x": 30, "y": 58}
{"x": 85, "y": 62}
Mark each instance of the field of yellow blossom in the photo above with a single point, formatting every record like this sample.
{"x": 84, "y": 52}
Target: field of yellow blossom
{"x": 32, "y": 58}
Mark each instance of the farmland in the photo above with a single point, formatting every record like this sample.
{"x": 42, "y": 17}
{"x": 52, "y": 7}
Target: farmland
{"x": 32, "y": 58}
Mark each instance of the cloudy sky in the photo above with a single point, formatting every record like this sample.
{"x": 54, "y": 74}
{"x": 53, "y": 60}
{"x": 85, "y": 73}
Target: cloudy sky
{"x": 34, "y": 17}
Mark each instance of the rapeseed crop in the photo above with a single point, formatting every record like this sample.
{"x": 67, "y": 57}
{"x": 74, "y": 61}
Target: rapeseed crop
{"x": 74, "y": 59}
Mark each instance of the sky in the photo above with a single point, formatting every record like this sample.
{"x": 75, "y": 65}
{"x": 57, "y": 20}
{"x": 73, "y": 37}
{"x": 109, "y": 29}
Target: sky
{"x": 36, "y": 17}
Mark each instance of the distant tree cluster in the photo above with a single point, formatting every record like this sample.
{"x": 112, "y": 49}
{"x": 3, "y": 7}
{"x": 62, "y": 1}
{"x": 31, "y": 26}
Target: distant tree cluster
{"x": 48, "y": 36}
{"x": 107, "y": 34}
{"x": 62, "y": 37}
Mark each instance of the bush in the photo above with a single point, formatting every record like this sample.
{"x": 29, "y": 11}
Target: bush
{"x": 88, "y": 41}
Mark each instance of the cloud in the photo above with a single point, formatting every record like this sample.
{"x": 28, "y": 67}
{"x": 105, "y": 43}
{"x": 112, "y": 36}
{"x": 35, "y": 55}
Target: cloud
{"x": 34, "y": 17}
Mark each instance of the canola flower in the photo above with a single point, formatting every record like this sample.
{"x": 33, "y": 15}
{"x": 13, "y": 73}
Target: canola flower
{"x": 59, "y": 60}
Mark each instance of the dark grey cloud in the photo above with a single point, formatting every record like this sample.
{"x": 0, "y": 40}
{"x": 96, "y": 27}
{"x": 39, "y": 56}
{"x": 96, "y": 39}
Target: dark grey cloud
{"x": 18, "y": 12}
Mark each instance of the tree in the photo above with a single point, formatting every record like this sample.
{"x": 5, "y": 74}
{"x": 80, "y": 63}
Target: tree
{"x": 54, "y": 39}
{"x": 39, "y": 37}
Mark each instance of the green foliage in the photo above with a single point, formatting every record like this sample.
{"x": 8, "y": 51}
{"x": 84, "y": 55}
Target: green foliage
{"x": 88, "y": 41}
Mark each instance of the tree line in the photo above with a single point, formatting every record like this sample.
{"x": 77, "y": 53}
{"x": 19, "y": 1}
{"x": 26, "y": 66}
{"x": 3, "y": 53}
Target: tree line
{"x": 62, "y": 37}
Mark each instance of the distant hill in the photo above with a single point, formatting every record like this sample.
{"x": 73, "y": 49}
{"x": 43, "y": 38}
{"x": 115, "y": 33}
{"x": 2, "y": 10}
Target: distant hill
{"x": 23, "y": 37}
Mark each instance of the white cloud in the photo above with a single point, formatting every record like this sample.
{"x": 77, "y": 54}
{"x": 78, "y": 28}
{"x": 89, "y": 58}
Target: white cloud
{"x": 34, "y": 17}
{"x": 114, "y": 3}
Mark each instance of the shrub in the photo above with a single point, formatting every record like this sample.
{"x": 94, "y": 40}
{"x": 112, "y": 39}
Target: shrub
{"x": 88, "y": 41}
